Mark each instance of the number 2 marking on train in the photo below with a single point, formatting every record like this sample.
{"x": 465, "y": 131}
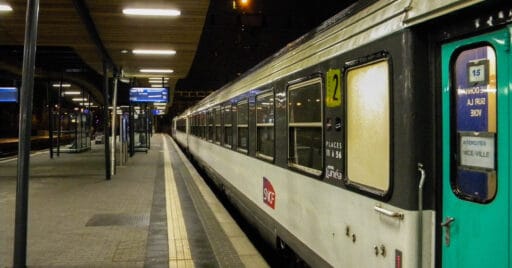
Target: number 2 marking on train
{"x": 336, "y": 85}
{"x": 333, "y": 81}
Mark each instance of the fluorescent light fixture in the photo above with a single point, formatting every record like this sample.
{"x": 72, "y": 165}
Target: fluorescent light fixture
{"x": 72, "y": 92}
{"x": 154, "y": 52}
{"x": 5, "y": 7}
{"x": 86, "y": 104}
{"x": 156, "y": 85}
{"x": 160, "y": 104}
{"x": 79, "y": 99}
{"x": 151, "y": 12}
{"x": 63, "y": 85}
{"x": 158, "y": 78}
{"x": 166, "y": 71}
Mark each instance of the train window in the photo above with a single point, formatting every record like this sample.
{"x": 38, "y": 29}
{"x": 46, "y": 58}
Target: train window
{"x": 474, "y": 109}
{"x": 368, "y": 126}
{"x": 265, "y": 125}
{"x": 227, "y": 118}
{"x": 243, "y": 125}
{"x": 211, "y": 130}
{"x": 305, "y": 126}
{"x": 203, "y": 125}
{"x": 218, "y": 126}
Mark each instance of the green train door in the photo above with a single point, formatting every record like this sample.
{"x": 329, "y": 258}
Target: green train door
{"x": 476, "y": 144}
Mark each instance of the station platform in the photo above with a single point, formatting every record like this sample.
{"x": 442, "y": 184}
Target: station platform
{"x": 155, "y": 212}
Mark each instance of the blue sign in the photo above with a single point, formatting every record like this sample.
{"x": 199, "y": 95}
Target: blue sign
{"x": 8, "y": 94}
{"x": 157, "y": 112}
{"x": 142, "y": 94}
{"x": 475, "y": 85}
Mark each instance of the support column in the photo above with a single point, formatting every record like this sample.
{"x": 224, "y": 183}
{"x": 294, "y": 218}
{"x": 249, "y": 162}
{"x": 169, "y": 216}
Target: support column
{"x": 114, "y": 115}
{"x": 25, "y": 129}
{"x": 105, "y": 123}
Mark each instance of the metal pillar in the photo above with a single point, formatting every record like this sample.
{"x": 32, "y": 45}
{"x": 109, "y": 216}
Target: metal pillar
{"x": 50, "y": 119}
{"x": 59, "y": 115}
{"x": 132, "y": 130}
{"x": 25, "y": 129}
{"x": 114, "y": 115}
{"x": 105, "y": 123}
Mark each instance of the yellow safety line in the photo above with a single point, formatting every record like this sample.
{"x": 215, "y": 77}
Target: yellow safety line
{"x": 179, "y": 249}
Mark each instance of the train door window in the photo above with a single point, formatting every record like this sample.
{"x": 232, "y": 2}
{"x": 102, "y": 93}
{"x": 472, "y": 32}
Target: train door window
{"x": 305, "y": 126}
{"x": 243, "y": 125}
{"x": 218, "y": 125}
{"x": 227, "y": 118}
{"x": 368, "y": 126}
{"x": 475, "y": 148}
{"x": 265, "y": 125}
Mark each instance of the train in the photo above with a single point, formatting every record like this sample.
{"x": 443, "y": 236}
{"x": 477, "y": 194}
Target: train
{"x": 381, "y": 138}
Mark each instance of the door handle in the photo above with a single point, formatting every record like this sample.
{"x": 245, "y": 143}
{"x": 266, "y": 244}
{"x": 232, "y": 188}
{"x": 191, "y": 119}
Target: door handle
{"x": 446, "y": 224}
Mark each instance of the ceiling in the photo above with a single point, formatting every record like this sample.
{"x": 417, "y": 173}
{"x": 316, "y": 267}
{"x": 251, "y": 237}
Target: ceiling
{"x": 215, "y": 42}
{"x": 66, "y": 46}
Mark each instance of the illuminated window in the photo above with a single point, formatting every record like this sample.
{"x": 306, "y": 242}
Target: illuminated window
{"x": 368, "y": 126}
{"x": 243, "y": 125}
{"x": 265, "y": 125}
{"x": 305, "y": 126}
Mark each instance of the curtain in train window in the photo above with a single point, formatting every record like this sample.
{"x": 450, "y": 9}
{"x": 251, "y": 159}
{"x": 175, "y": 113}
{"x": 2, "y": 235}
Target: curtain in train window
{"x": 368, "y": 126}
{"x": 475, "y": 146}
{"x": 265, "y": 125}
{"x": 305, "y": 126}
{"x": 228, "y": 129}
{"x": 243, "y": 125}
{"x": 218, "y": 126}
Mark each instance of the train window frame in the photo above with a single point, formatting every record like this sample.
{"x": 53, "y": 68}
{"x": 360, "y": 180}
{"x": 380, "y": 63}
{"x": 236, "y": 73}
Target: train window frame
{"x": 456, "y": 135}
{"x": 217, "y": 124}
{"x": 210, "y": 124}
{"x": 299, "y": 84}
{"x": 371, "y": 189}
{"x": 227, "y": 106}
{"x": 264, "y": 94}
{"x": 241, "y": 126}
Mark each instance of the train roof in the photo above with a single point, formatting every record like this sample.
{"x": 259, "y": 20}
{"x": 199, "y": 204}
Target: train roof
{"x": 360, "y": 23}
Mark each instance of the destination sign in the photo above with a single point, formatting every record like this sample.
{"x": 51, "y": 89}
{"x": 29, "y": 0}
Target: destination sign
{"x": 141, "y": 94}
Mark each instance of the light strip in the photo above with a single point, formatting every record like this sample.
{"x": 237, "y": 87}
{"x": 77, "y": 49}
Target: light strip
{"x": 72, "y": 92}
{"x": 5, "y": 7}
{"x": 63, "y": 85}
{"x": 151, "y": 12}
{"x": 167, "y": 71}
{"x": 158, "y": 79}
{"x": 153, "y": 52}
{"x": 79, "y": 99}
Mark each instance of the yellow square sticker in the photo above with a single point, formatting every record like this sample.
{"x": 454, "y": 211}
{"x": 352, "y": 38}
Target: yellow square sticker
{"x": 333, "y": 85}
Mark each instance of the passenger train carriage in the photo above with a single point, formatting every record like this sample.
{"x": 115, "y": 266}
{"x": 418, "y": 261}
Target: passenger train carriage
{"x": 380, "y": 139}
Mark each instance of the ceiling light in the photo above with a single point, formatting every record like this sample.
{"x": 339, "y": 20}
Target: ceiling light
{"x": 124, "y": 51}
{"x": 151, "y": 12}
{"x": 79, "y": 99}
{"x": 157, "y": 85}
{"x": 5, "y": 7}
{"x": 59, "y": 85}
{"x": 72, "y": 92}
{"x": 167, "y": 71}
{"x": 154, "y": 52}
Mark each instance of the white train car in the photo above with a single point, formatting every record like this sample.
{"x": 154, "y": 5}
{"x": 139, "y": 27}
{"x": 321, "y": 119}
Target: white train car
{"x": 345, "y": 146}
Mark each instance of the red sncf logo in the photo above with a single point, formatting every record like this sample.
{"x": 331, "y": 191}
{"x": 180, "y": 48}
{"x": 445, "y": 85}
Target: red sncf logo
{"x": 269, "y": 195}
